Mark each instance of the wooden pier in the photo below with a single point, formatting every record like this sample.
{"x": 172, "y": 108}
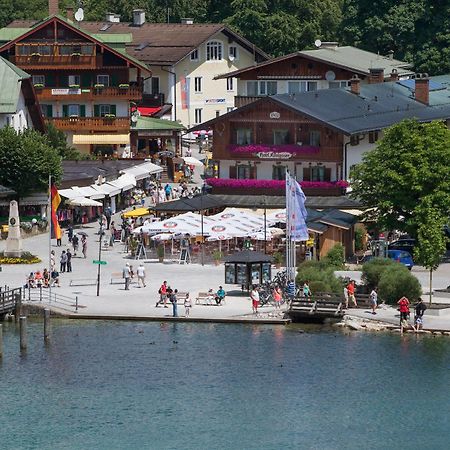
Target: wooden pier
{"x": 9, "y": 301}
{"x": 320, "y": 307}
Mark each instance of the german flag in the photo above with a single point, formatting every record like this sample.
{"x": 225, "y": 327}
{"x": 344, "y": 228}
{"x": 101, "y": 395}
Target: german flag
{"x": 56, "y": 200}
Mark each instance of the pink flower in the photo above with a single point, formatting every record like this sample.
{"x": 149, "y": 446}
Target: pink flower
{"x": 272, "y": 184}
{"x": 290, "y": 148}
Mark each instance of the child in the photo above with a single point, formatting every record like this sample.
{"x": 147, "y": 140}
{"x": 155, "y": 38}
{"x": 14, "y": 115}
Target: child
{"x": 187, "y": 305}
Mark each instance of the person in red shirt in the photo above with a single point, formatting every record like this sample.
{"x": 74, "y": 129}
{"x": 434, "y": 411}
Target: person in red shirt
{"x": 162, "y": 295}
{"x": 351, "y": 293}
{"x": 403, "y": 304}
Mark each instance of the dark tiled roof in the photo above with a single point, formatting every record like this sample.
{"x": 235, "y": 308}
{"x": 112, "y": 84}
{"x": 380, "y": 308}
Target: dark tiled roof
{"x": 167, "y": 43}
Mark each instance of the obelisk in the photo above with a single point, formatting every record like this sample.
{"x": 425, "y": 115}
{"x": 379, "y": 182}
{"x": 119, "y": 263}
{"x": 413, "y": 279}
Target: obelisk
{"x": 14, "y": 240}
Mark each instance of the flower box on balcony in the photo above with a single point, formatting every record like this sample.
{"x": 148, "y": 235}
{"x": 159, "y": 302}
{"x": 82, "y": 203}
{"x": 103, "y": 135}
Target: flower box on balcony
{"x": 124, "y": 86}
{"x": 262, "y": 148}
{"x": 99, "y": 86}
{"x": 73, "y": 116}
{"x": 74, "y": 86}
{"x": 75, "y": 55}
{"x": 85, "y": 91}
{"x": 35, "y": 55}
{"x": 38, "y": 85}
{"x": 110, "y": 116}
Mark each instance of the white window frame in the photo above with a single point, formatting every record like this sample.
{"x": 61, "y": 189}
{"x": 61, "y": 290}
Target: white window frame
{"x": 104, "y": 109}
{"x": 253, "y": 83}
{"x": 230, "y": 84}
{"x": 73, "y": 110}
{"x": 214, "y": 51}
{"x": 152, "y": 90}
{"x": 339, "y": 83}
{"x": 38, "y": 79}
{"x": 105, "y": 77}
{"x": 198, "y": 115}
{"x": 302, "y": 87}
{"x": 263, "y": 87}
{"x": 74, "y": 80}
{"x": 233, "y": 51}
{"x": 194, "y": 55}
{"x": 198, "y": 84}
{"x": 230, "y": 108}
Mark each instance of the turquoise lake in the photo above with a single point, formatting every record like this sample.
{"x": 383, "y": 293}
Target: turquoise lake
{"x": 147, "y": 385}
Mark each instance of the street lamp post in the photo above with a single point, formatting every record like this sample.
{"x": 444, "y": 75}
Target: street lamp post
{"x": 265, "y": 225}
{"x": 99, "y": 257}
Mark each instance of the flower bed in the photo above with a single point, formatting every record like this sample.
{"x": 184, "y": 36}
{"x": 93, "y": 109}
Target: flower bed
{"x": 272, "y": 184}
{"x": 289, "y": 148}
{"x": 26, "y": 258}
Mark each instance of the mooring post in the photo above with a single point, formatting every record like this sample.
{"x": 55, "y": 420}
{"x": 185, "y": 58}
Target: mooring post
{"x": 18, "y": 310}
{"x": 46, "y": 324}
{"x": 23, "y": 332}
{"x": 76, "y": 303}
{"x": 1, "y": 340}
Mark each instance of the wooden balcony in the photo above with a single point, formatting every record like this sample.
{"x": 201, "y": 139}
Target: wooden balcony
{"x": 242, "y": 100}
{"x": 117, "y": 124}
{"x": 45, "y": 62}
{"x": 92, "y": 93}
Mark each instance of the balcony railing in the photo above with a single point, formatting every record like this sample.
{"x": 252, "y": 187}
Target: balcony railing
{"x": 55, "y": 61}
{"x": 91, "y": 93}
{"x": 152, "y": 100}
{"x": 242, "y": 100}
{"x": 121, "y": 124}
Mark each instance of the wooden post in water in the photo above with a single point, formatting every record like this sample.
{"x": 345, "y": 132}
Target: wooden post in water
{"x": 23, "y": 332}
{"x": 46, "y": 324}
{"x": 18, "y": 310}
{"x": 1, "y": 340}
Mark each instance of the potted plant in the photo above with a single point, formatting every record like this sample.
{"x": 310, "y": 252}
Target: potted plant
{"x": 124, "y": 86}
{"x": 160, "y": 252}
{"x": 38, "y": 86}
{"x": 75, "y": 55}
{"x": 35, "y": 55}
{"x": 110, "y": 116}
{"x": 99, "y": 86}
{"x": 278, "y": 259}
{"x": 217, "y": 256}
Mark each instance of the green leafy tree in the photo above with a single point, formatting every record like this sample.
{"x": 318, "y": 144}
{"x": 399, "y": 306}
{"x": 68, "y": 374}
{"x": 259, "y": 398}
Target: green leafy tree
{"x": 431, "y": 245}
{"x": 27, "y": 160}
{"x": 410, "y": 162}
{"x": 336, "y": 257}
{"x": 398, "y": 282}
{"x": 372, "y": 270}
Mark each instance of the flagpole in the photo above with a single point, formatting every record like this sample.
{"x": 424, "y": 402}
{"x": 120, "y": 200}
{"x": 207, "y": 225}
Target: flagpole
{"x": 49, "y": 220}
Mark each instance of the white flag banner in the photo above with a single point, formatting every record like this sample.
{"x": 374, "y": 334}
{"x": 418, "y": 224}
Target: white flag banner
{"x": 295, "y": 210}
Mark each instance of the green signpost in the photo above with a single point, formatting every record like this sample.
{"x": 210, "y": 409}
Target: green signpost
{"x": 99, "y": 262}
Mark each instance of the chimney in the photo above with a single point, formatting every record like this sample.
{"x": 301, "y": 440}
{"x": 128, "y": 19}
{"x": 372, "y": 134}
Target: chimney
{"x": 390, "y": 54}
{"x": 53, "y": 7}
{"x": 69, "y": 13}
{"x": 394, "y": 75}
{"x": 112, "y": 18}
{"x": 330, "y": 45}
{"x": 138, "y": 17}
{"x": 187, "y": 21}
{"x": 422, "y": 92}
{"x": 376, "y": 75}
{"x": 355, "y": 85}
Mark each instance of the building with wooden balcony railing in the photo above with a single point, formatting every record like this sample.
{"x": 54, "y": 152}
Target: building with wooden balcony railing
{"x": 84, "y": 84}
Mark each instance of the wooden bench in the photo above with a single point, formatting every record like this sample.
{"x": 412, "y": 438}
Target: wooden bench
{"x": 117, "y": 278}
{"x": 81, "y": 282}
{"x": 205, "y": 298}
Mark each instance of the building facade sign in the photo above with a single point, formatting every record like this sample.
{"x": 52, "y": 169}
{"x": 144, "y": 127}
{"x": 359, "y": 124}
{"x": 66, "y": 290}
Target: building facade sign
{"x": 74, "y": 91}
{"x": 214, "y": 101}
{"x": 274, "y": 115}
{"x": 273, "y": 155}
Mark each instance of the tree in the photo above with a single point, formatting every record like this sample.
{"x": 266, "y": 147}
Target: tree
{"x": 27, "y": 160}
{"x": 411, "y": 162}
{"x": 57, "y": 139}
{"x": 431, "y": 244}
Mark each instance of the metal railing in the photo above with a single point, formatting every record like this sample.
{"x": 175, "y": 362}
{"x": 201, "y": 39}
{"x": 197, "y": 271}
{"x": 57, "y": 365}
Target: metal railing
{"x": 50, "y": 297}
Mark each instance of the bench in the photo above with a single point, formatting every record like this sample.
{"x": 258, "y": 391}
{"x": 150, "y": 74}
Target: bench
{"x": 207, "y": 298}
{"x": 82, "y": 282}
{"x": 117, "y": 278}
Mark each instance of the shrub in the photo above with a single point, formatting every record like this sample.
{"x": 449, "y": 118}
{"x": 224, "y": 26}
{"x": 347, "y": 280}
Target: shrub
{"x": 359, "y": 236}
{"x": 320, "y": 276}
{"x": 372, "y": 270}
{"x": 336, "y": 257}
{"x": 396, "y": 283}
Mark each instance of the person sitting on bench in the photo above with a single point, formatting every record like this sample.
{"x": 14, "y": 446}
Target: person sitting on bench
{"x": 220, "y": 295}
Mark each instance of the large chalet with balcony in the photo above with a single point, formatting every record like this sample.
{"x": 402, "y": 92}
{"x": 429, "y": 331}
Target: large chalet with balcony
{"x": 329, "y": 66}
{"x": 83, "y": 84}
{"x": 318, "y": 136}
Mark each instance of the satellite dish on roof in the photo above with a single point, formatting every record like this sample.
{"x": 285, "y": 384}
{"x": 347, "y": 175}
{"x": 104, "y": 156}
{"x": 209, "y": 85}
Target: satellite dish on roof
{"x": 79, "y": 15}
{"x": 231, "y": 58}
{"x": 330, "y": 75}
{"x": 318, "y": 43}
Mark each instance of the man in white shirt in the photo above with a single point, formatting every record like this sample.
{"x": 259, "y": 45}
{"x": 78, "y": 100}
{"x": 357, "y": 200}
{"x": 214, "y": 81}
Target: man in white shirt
{"x": 127, "y": 276}
{"x": 141, "y": 274}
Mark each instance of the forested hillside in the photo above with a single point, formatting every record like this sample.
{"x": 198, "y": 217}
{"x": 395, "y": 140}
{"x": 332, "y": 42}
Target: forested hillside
{"x": 416, "y": 30}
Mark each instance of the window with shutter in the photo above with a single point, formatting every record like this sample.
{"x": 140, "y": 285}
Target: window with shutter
{"x": 114, "y": 80}
{"x": 253, "y": 172}
{"x": 65, "y": 110}
{"x": 86, "y": 80}
{"x": 306, "y": 174}
{"x": 82, "y": 110}
{"x": 49, "y": 110}
{"x": 112, "y": 108}
{"x": 50, "y": 80}
{"x": 96, "y": 110}
{"x": 233, "y": 172}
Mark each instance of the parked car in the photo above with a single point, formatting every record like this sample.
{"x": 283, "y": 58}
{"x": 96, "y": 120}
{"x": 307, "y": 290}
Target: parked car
{"x": 402, "y": 257}
{"x": 406, "y": 245}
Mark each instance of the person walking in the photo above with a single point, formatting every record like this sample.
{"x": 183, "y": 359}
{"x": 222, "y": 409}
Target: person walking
{"x": 63, "y": 262}
{"x": 162, "y": 295}
{"x": 52, "y": 260}
{"x": 187, "y": 305}
{"x": 346, "y": 296}
{"x": 126, "y": 274}
{"x": 75, "y": 244}
{"x": 306, "y": 290}
{"x": 140, "y": 272}
{"x": 84, "y": 246}
{"x": 373, "y": 298}
{"x": 403, "y": 304}
{"x": 70, "y": 233}
{"x": 69, "y": 260}
{"x": 419, "y": 311}
{"x": 277, "y": 296}
{"x": 254, "y": 295}
{"x": 351, "y": 293}
{"x": 174, "y": 300}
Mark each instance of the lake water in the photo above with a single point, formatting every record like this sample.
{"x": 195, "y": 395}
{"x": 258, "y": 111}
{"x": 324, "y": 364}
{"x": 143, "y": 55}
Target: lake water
{"x": 134, "y": 385}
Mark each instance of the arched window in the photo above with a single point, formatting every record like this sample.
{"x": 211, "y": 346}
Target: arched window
{"x": 214, "y": 51}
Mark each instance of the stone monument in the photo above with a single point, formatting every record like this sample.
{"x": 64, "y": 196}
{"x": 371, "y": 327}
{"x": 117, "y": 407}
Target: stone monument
{"x": 14, "y": 239}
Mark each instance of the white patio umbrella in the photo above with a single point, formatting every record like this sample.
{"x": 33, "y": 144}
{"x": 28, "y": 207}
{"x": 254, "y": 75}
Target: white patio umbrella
{"x": 192, "y": 161}
{"x": 83, "y": 201}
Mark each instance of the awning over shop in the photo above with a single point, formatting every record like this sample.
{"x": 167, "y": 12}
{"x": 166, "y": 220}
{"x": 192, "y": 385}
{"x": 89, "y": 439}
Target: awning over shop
{"x": 106, "y": 139}
{"x": 192, "y": 161}
{"x": 88, "y": 191}
{"x": 124, "y": 182}
{"x": 68, "y": 193}
{"x": 142, "y": 171}
{"x": 138, "y": 212}
{"x": 147, "y": 111}
{"x": 83, "y": 201}
{"x": 106, "y": 189}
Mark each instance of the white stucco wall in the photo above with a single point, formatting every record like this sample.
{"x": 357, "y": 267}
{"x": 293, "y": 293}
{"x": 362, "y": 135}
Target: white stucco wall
{"x": 355, "y": 152}
{"x": 20, "y": 120}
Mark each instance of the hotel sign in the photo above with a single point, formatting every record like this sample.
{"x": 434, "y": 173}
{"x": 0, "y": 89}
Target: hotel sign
{"x": 74, "y": 91}
{"x": 214, "y": 101}
{"x": 274, "y": 115}
{"x": 273, "y": 155}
